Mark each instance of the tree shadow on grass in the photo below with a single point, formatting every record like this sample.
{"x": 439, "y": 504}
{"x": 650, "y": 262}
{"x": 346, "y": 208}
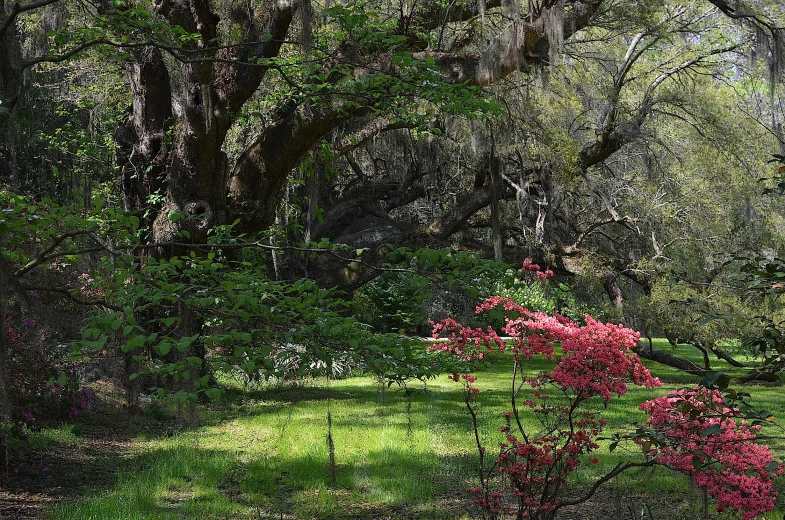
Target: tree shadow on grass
{"x": 187, "y": 481}
{"x": 59, "y": 461}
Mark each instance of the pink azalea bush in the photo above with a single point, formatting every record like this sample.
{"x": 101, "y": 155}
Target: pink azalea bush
{"x": 705, "y": 438}
{"x": 595, "y": 361}
{"x": 38, "y": 388}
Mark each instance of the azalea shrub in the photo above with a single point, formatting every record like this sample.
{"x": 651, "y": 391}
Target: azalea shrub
{"x": 40, "y": 389}
{"x": 693, "y": 432}
{"x": 696, "y": 431}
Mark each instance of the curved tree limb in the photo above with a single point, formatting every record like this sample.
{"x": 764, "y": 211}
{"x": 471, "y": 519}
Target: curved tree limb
{"x": 665, "y": 358}
{"x": 450, "y": 223}
{"x": 16, "y": 10}
{"x": 374, "y": 128}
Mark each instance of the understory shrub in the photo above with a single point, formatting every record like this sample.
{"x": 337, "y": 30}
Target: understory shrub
{"x": 40, "y": 389}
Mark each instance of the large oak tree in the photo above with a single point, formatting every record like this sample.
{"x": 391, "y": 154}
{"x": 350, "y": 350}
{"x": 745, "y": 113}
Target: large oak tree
{"x": 302, "y": 72}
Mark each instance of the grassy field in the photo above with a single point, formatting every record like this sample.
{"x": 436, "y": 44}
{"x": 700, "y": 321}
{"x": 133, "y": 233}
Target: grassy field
{"x": 264, "y": 453}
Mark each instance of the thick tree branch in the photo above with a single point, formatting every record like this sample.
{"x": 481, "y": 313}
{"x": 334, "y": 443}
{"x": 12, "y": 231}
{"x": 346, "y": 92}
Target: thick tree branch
{"x": 235, "y": 78}
{"x": 738, "y": 11}
{"x": 470, "y": 204}
{"x": 612, "y": 136}
{"x": 44, "y": 254}
{"x": 262, "y": 168}
{"x": 369, "y": 131}
{"x": 435, "y": 14}
{"x": 669, "y": 359}
{"x": 71, "y": 294}
{"x": 360, "y": 194}
{"x": 721, "y": 354}
{"x": 16, "y": 10}
{"x": 59, "y": 58}
{"x": 517, "y": 48}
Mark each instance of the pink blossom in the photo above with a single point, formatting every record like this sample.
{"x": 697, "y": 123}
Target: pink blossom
{"x": 735, "y": 470}
{"x": 597, "y": 361}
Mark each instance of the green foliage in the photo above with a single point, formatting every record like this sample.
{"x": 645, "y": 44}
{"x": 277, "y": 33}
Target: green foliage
{"x": 194, "y": 316}
{"x": 777, "y": 183}
{"x": 684, "y": 313}
{"x": 393, "y": 301}
{"x": 533, "y": 295}
{"x": 183, "y": 319}
{"x": 761, "y": 280}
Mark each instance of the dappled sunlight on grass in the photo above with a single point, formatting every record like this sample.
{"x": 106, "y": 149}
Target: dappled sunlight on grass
{"x": 264, "y": 453}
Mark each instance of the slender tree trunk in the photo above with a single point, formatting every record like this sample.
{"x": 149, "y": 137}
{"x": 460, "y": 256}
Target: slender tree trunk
{"x": 5, "y": 396}
{"x": 10, "y": 293}
{"x": 495, "y": 219}
{"x": 613, "y": 289}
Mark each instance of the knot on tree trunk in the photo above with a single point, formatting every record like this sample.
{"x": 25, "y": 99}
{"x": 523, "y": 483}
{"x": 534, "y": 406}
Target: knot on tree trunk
{"x": 199, "y": 215}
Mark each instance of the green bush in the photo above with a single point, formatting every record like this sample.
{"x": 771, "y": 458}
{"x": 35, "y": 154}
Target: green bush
{"x": 393, "y": 301}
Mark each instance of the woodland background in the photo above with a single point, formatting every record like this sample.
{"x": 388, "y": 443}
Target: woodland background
{"x": 281, "y": 188}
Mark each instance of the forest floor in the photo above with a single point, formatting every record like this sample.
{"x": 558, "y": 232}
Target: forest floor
{"x": 109, "y": 436}
{"x": 60, "y": 464}
{"x": 261, "y": 454}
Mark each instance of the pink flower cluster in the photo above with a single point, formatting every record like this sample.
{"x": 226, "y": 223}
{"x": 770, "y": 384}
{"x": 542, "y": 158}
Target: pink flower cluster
{"x": 69, "y": 276}
{"x": 596, "y": 361}
{"x": 597, "y": 357}
{"x": 535, "y": 269}
{"x": 698, "y": 424}
{"x": 465, "y": 342}
{"x": 693, "y": 430}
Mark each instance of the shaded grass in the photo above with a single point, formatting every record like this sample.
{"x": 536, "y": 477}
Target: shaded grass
{"x": 264, "y": 453}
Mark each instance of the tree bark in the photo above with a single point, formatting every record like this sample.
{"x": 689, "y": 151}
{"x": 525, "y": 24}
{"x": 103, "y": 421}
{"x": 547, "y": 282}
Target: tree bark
{"x": 5, "y": 395}
{"x": 613, "y": 289}
{"x": 472, "y": 202}
{"x": 11, "y": 292}
{"x": 669, "y": 359}
{"x": 170, "y": 146}
{"x": 11, "y": 71}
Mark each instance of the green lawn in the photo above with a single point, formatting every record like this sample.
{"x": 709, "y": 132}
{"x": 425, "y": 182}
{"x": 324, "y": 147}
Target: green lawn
{"x": 264, "y": 454}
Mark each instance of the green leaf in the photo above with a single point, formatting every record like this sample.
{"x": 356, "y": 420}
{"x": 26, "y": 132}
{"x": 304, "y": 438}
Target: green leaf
{"x": 168, "y": 322}
{"x": 714, "y": 429}
{"x": 214, "y": 393}
{"x": 163, "y": 348}
{"x": 136, "y": 341}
